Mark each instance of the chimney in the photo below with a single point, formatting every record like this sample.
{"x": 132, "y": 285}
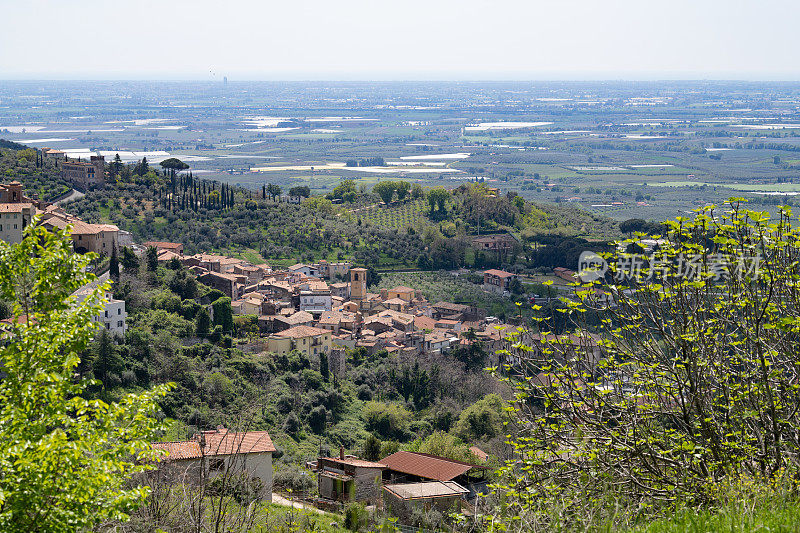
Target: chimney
{"x": 341, "y": 453}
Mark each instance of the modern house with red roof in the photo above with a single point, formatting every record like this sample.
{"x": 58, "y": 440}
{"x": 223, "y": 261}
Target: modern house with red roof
{"x": 415, "y": 467}
{"x": 221, "y": 452}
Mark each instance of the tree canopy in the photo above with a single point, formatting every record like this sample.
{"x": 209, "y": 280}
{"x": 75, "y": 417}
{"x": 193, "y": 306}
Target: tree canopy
{"x": 173, "y": 164}
{"x": 66, "y": 461}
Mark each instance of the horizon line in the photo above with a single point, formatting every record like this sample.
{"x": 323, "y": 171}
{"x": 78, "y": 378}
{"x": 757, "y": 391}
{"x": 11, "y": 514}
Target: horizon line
{"x": 221, "y": 79}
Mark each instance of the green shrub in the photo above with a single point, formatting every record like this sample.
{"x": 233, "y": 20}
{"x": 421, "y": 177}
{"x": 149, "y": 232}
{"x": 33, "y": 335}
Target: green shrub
{"x": 356, "y": 517}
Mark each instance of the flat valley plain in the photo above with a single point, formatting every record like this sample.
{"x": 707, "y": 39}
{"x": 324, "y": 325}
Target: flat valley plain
{"x": 650, "y": 150}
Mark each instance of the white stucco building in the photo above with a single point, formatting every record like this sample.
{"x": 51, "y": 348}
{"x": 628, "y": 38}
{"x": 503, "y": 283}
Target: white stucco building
{"x": 315, "y": 297}
{"x": 113, "y": 317}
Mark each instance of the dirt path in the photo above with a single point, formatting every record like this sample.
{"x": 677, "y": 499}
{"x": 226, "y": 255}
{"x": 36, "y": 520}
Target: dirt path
{"x": 280, "y": 500}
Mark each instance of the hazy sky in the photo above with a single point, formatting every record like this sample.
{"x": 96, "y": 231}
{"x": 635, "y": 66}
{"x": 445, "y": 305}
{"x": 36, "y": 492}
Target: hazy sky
{"x": 412, "y": 39}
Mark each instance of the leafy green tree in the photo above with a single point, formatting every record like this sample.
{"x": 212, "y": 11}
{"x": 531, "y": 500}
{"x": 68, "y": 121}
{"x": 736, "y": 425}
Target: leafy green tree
{"x": 691, "y": 390}
{"x": 292, "y": 424}
{"x": 151, "y": 255}
{"x": 388, "y": 420}
{"x": 223, "y": 314}
{"x": 632, "y": 225}
{"x": 402, "y": 189}
{"x": 417, "y": 191}
{"x": 437, "y": 199}
{"x": 66, "y": 461}
{"x": 516, "y": 287}
{"x": 346, "y": 190}
{"x": 202, "y": 322}
{"x": 173, "y": 165}
{"x": 273, "y": 190}
{"x": 482, "y": 420}
{"x": 324, "y": 369}
{"x": 385, "y": 189}
{"x": 444, "y": 445}
{"x": 107, "y": 361}
{"x": 372, "y": 448}
{"x": 472, "y": 355}
{"x": 319, "y": 204}
{"x": 142, "y": 167}
{"x": 301, "y": 190}
{"x": 116, "y": 165}
{"x": 317, "y": 418}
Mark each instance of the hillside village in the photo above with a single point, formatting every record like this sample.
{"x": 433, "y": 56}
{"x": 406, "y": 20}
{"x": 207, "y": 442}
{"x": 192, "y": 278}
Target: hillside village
{"x": 321, "y": 311}
{"x": 329, "y": 267}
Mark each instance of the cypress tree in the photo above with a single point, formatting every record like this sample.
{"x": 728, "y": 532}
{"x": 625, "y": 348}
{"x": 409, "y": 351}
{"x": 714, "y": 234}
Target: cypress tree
{"x": 113, "y": 266}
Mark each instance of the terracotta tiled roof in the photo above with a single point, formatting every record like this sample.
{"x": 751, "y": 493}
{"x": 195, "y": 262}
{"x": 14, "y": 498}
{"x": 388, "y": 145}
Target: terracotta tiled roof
{"x": 427, "y": 466}
{"x": 176, "y": 451}
{"x": 499, "y": 273}
{"x": 165, "y": 245}
{"x": 14, "y": 207}
{"x": 223, "y": 275}
{"x": 456, "y": 308}
{"x": 331, "y": 317}
{"x": 79, "y": 227}
{"x": 224, "y": 442}
{"x": 298, "y": 332}
{"x": 424, "y": 322}
{"x": 166, "y": 255}
{"x": 480, "y": 454}
{"x": 217, "y": 442}
{"x": 299, "y": 318}
{"x": 401, "y": 288}
{"x": 21, "y": 319}
{"x": 404, "y": 318}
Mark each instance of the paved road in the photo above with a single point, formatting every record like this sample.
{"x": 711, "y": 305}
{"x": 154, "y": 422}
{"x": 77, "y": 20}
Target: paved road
{"x": 74, "y": 195}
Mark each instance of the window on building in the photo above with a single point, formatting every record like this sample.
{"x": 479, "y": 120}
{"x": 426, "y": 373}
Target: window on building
{"x": 119, "y": 310}
{"x": 119, "y": 323}
{"x": 15, "y": 226}
{"x": 106, "y": 313}
{"x": 216, "y": 464}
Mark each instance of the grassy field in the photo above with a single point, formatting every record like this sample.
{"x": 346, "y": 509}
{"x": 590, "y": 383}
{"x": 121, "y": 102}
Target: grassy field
{"x": 732, "y": 519}
{"x": 279, "y": 518}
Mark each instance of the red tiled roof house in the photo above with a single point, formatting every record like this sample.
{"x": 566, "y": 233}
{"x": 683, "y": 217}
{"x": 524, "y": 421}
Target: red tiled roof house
{"x": 219, "y": 452}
